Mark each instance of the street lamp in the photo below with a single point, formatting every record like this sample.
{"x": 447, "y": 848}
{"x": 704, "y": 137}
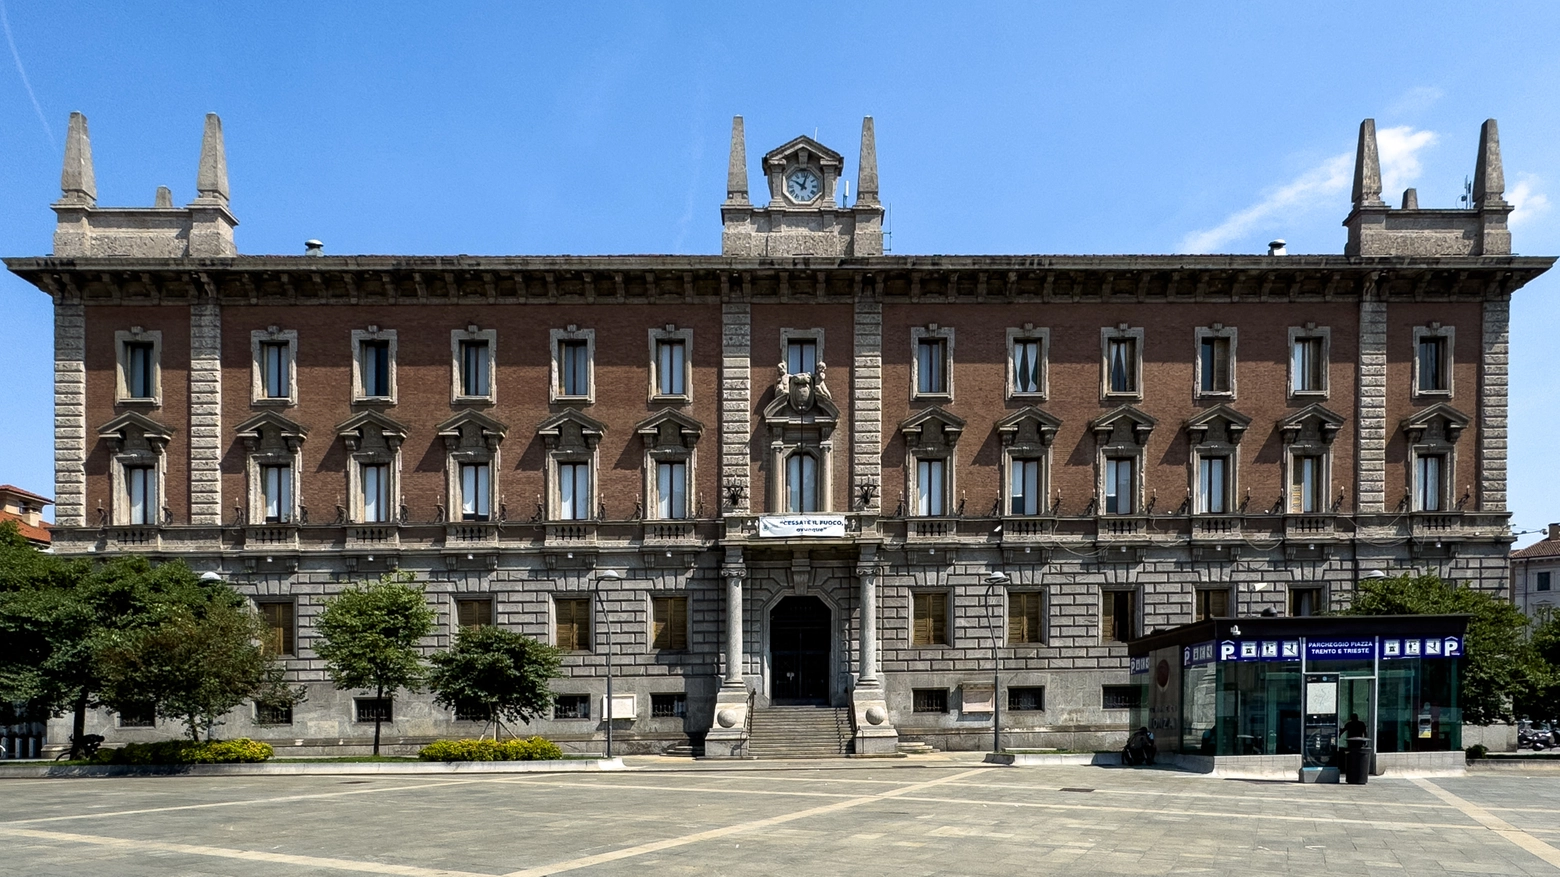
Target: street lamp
{"x": 610, "y": 575}
{"x": 998, "y": 579}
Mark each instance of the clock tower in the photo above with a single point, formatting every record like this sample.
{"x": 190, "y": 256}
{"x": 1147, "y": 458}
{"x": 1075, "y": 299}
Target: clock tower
{"x": 806, "y": 215}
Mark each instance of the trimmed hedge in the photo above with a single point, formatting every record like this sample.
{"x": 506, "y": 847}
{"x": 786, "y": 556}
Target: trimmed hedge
{"x": 240, "y": 751}
{"x": 534, "y": 749}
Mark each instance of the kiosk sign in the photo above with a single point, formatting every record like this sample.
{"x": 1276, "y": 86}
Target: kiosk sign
{"x": 1430, "y": 647}
{"x": 1340, "y": 649}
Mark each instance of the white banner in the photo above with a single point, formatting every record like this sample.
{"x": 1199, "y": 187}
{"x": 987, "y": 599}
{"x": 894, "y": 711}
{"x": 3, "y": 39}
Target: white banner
{"x": 792, "y": 526}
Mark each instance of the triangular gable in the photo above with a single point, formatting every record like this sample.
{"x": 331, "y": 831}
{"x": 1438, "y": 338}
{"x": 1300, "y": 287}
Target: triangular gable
{"x": 353, "y": 429}
{"x": 1235, "y": 423}
{"x": 252, "y": 431}
{"x": 920, "y": 425}
{"x": 653, "y": 428}
{"x": 491, "y": 430}
{"x": 1018, "y": 426}
{"x": 563, "y": 427}
{"x": 1105, "y": 425}
{"x": 133, "y": 423}
{"x": 783, "y": 151}
{"x": 1453, "y": 422}
{"x": 1326, "y": 422}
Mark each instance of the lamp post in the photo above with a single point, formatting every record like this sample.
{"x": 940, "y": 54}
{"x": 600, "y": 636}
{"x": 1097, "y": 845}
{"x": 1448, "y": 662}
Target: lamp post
{"x": 997, "y": 579}
{"x": 610, "y": 575}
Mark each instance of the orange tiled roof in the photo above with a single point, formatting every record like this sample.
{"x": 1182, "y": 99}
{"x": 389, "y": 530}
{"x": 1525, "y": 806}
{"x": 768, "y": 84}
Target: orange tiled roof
{"x": 11, "y": 488}
{"x": 29, "y": 532}
{"x": 1546, "y": 548}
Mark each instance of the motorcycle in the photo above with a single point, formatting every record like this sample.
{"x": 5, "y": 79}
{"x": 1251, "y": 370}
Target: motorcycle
{"x": 1536, "y": 737}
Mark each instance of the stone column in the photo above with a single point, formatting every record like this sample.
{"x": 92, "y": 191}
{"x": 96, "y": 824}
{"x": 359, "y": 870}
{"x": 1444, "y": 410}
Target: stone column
{"x": 727, "y": 737}
{"x": 875, "y": 733}
{"x": 733, "y": 626}
{"x": 867, "y": 670}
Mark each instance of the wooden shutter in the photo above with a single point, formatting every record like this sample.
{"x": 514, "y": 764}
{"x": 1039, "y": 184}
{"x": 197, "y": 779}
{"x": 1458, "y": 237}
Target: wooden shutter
{"x": 279, "y": 628}
{"x": 574, "y": 625}
{"x": 939, "y": 619}
{"x": 930, "y": 625}
{"x": 1221, "y": 364}
{"x": 1024, "y": 617}
{"x": 669, "y": 628}
{"x": 473, "y": 613}
{"x": 1108, "y": 615}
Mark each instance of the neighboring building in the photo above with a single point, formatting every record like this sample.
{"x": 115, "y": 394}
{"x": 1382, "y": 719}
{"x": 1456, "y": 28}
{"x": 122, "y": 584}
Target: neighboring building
{"x": 26, "y": 509}
{"x": 808, "y": 461}
{"x": 1535, "y": 574}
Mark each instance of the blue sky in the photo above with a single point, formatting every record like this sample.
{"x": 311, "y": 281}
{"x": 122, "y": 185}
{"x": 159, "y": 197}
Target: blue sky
{"x": 505, "y": 129}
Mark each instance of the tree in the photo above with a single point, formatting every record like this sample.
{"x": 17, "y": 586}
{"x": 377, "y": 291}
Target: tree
{"x": 1501, "y": 663}
{"x": 495, "y": 673}
{"x": 369, "y": 635}
{"x": 1542, "y": 699}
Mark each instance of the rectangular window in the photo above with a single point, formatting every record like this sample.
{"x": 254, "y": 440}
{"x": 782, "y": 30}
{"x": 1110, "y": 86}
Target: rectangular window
{"x": 801, "y": 357}
{"x": 1026, "y": 365}
{"x": 138, "y": 716}
{"x": 141, "y": 491}
{"x": 1025, "y": 617}
{"x": 671, "y": 490}
{"x": 668, "y": 706}
{"x": 670, "y": 365}
{"x": 1429, "y": 472}
{"x": 573, "y": 368}
{"x": 273, "y": 714}
{"x": 474, "y": 613}
{"x": 930, "y": 488}
{"x": 475, "y": 491}
{"x": 1307, "y": 365}
{"x": 670, "y": 625}
{"x": 930, "y": 622}
{"x": 1121, "y": 355}
{"x": 929, "y": 700}
{"x": 1025, "y": 487}
{"x": 140, "y": 370}
{"x": 1119, "y": 485}
{"x": 279, "y": 628}
{"x": 801, "y": 481}
{"x": 370, "y": 709}
{"x": 1213, "y": 603}
{"x": 1026, "y": 700}
{"x": 1118, "y": 616}
{"x": 1305, "y": 485}
{"x": 1213, "y": 485}
{"x": 931, "y": 364}
{"x": 1542, "y": 583}
{"x": 572, "y": 706}
{"x": 475, "y": 378}
{"x": 374, "y": 480}
{"x": 1214, "y": 361}
{"x": 1431, "y": 365}
{"x": 1305, "y": 602}
{"x": 276, "y": 493}
{"x": 374, "y": 361}
{"x": 275, "y": 371}
{"x": 1120, "y": 697}
{"x": 572, "y": 626}
{"x": 574, "y": 491}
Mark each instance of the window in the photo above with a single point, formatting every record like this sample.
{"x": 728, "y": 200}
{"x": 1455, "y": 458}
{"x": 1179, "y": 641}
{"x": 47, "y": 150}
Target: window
{"x": 671, "y": 494}
{"x": 573, "y": 368}
{"x": 1123, "y": 356}
{"x": 1213, "y": 603}
{"x": 279, "y": 628}
{"x": 273, "y": 714}
{"x": 1118, "y": 616}
{"x": 931, "y": 487}
{"x": 476, "y": 491}
{"x": 801, "y": 480}
{"x": 1025, "y": 492}
{"x": 931, "y": 367}
{"x": 574, "y": 492}
{"x": 276, "y": 493}
{"x": 1121, "y": 349}
{"x": 1433, "y": 360}
{"x": 668, "y": 706}
{"x": 1215, "y": 372}
{"x": 929, "y": 700}
{"x": 572, "y": 706}
{"x": 670, "y": 624}
{"x": 1025, "y": 617}
{"x": 275, "y": 376}
{"x": 1119, "y": 485}
{"x": 1305, "y": 602}
{"x": 930, "y": 622}
{"x": 671, "y": 367}
{"x": 371, "y": 709}
{"x": 465, "y": 711}
{"x": 475, "y": 377}
{"x": 1028, "y": 349}
{"x": 571, "y": 628}
{"x": 1026, "y": 699}
{"x": 140, "y": 370}
{"x": 474, "y": 613}
{"x": 141, "y": 491}
{"x": 374, "y": 363}
{"x": 1306, "y": 496}
{"x": 1542, "y": 581}
{"x": 801, "y": 356}
{"x": 1429, "y": 482}
{"x": 1213, "y": 485}
{"x": 1121, "y": 697}
{"x": 272, "y": 380}
{"x": 1308, "y": 361}
{"x": 374, "y": 482}
{"x": 137, "y": 716}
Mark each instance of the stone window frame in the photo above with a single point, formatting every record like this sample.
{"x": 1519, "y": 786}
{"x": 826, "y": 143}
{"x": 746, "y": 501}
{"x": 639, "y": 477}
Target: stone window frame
{"x": 787, "y": 335}
{"x": 458, "y": 337}
{"x": 259, "y": 602}
{"x": 562, "y": 447}
{"x": 1309, "y": 330}
{"x": 1307, "y": 449}
{"x": 1447, "y": 451}
{"x": 255, "y": 458}
{"x": 1045, "y": 616}
{"x": 373, "y": 333}
{"x": 1017, "y": 446}
{"x": 122, "y": 341}
{"x": 1217, "y": 330}
{"x": 1229, "y": 593}
{"x": 1323, "y": 600}
{"x": 1029, "y": 332}
{"x": 458, "y": 598}
{"x": 149, "y": 450}
{"x": 1119, "y": 332}
{"x": 391, "y": 459}
{"x": 488, "y": 453}
{"x": 258, "y": 338}
{"x": 1200, "y": 446}
{"x": 555, "y": 339}
{"x": 655, "y": 453}
{"x": 948, "y": 595}
{"x": 649, "y": 603}
{"x": 916, "y": 451}
{"x": 931, "y": 331}
{"x": 823, "y": 456}
{"x": 670, "y": 332}
{"x": 1448, "y": 336}
{"x": 1107, "y": 447}
{"x": 1137, "y": 613}
{"x": 552, "y": 620}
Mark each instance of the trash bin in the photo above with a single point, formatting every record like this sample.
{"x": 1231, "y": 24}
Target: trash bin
{"x": 1356, "y": 762}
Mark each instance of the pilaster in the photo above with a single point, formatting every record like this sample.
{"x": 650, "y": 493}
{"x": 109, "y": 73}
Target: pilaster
{"x": 1370, "y": 432}
{"x": 736, "y": 410}
{"x": 70, "y": 411}
{"x": 866, "y": 402}
{"x": 206, "y": 412}
{"x": 1493, "y": 367}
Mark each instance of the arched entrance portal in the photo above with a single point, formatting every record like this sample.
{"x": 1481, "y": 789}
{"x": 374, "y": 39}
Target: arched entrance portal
{"x": 799, "y": 642}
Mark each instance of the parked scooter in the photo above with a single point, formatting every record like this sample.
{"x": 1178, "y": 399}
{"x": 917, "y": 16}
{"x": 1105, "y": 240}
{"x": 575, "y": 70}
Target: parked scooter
{"x": 1536, "y": 737}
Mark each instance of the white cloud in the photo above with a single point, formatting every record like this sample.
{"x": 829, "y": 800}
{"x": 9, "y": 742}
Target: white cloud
{"x": 1415, "y": 100}
{"x": 1527, "y": 203}
{"x": 1398, "y": 147}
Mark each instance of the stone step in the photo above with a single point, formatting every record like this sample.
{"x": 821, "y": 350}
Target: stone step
{"x": 799, "y": 732}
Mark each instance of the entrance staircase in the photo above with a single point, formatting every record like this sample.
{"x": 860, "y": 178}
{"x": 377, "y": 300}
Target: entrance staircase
{"x": 799, "y": 732}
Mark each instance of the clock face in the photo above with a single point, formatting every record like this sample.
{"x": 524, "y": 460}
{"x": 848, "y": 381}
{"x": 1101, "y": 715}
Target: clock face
{"x": 803, "y": 185}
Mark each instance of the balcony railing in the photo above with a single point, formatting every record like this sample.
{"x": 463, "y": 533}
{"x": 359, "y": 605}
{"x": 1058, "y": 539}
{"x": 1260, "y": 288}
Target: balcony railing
{"x": 271, "y": 536}
{"x": 1310, "y": 526}
{"x": 136, "y": 539}
{"x": 470, "y": 533}
{"x": 1215, "y": 527}
{"x": 1122, "y": 527}
{"x": 570, "y": 533}
{"x": 669, "y": 532}
{"x": 373, "y": 536}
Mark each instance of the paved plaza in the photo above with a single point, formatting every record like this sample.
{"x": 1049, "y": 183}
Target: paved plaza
{"x": 938, "y": 815}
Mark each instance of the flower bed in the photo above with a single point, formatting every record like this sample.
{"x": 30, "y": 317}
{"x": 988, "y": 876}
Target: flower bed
{"x": 534, "y": 749}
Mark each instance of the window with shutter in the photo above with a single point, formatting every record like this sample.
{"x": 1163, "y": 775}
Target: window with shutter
{"x": 1024, "y": 617}
{"x": 670, "y": 625}
{"x": 474, "y": 613}
{"x": 573, "y": 625}
{"x": 930, "y": 624}
{"x": 1117, "y": 616}
{"x": 1213, "y": 603}
{"x": 278, "y": 619}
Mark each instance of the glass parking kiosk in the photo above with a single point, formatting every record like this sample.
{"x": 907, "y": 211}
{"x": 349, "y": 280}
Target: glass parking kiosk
{"x": 1281, "y": 686}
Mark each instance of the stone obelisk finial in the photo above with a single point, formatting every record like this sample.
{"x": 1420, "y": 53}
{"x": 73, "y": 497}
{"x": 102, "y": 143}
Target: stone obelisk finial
{"x": 78, "y": 184}
{"x": 1489, "y": 179}
{"x": 1367, "y": 168}
{"x": 866, "y": 175}
{"x": 736, "y": 170}
{"x": 211, "y": 181}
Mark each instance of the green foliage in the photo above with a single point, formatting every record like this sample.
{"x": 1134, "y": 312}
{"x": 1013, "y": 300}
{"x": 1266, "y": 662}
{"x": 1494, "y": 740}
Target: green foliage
{"x": 1542, "y": 699}
{"x": 533, "y": 749}
{"x": 1501, "y": 665}
{"x": 369, "y": 635}
{"x": 498, "y": 674}
{"x": 240, "y": 751}
{"x": 1477, "y": 751}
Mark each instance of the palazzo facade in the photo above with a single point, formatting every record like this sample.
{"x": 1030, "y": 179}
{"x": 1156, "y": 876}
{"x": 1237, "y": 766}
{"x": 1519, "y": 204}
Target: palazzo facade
{"x": 917, "y": 488}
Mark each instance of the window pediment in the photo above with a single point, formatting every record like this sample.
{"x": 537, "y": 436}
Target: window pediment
{"x": 1311, "y": 423}
{"x": 472, "y": 430}
{"x": 371, "y": 430}
{"x": 1438, "y": 423}
{"x": 932, "y": 429}
{"x": 271, "y": 432}
{"x": 1123, "y": 425}
{"x": 132, "y": 431}
{"x": 1028, "y": 426}
{"x": 669, "y": 430}
{"x": 800, "y": 151}
{"x": 571, "y": 430}
{"x": 1221, "y": 423}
